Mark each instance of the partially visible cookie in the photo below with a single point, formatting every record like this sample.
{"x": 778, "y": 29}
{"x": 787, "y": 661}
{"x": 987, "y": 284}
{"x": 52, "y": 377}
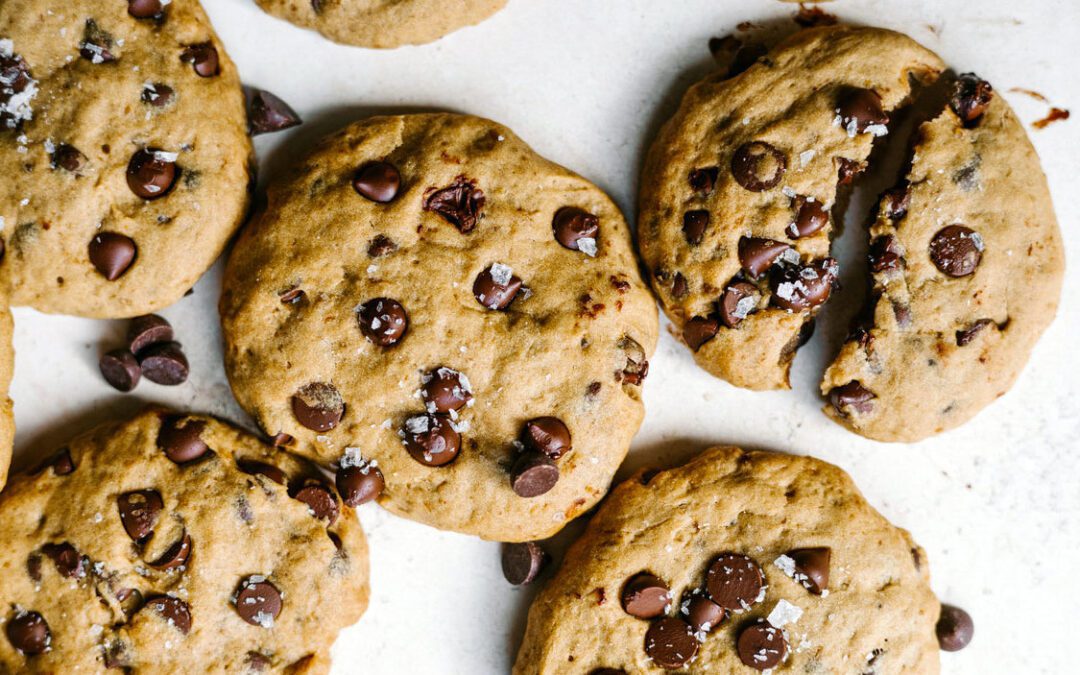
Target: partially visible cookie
{"x": 175, "y": 543}
{"x": 738, "y": 187}
{"x": 736, "y": 562}
{"x": 124, "y": 151}
{"x": 383, "y": 24}
{"x": 7, "y": 371}
{"x": 427, "y": 292}
{"x": 967, "y": 264}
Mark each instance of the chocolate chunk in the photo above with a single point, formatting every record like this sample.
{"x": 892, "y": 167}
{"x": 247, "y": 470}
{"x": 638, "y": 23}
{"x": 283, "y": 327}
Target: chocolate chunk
{"x": 383, "y": 321}
{"x": 139, "y": 511}
{"x": 679, "y": 287}
{"x": 15, "y": 76}
{"x": 954, "y": 628}
{"x": 533, "y": 474}
{"x": 292, "y": 296}
{"x": 381, "y": 246}
{"x": 637, "y": 366}
{"x": 704, "y": 180}
{"x": 431, "y": 439}
{"x": 496, "y": 287}
{"x": 971, "y": 97}
{"x": 147, "y": 330}
{"x": 359, "y": 484}
{"x": 847, "y": 170}
{"x": 572, "y": 225}
{"x": 861, "y": 110}
{"x": 120, "y": 369}
{"x": 852, "y": 395}
{"x": 739, "y": 300}
{"x": 60, "y": 462}
{"x": 28, "y": 632}
{"x": 164, "y": 363}
{"x": 547, "y": 435}
{"x": 758, "y": 166}
{"x": 320, "y": 500}
{"x": 68, "y": 158}
{"x": 67, "y": 560}
{"x": 176, "y": 556}
{"x": 377, "y": 181}
{"x": 757, "y": 255}
{"x": 203, "y": 58}
{"x": 965, "y": 336}
{"x": 96, "y": 44}
{"x": 700, "y": 330}
{"x": 734, "y": 581}
{"x": 157, "y": 94}
{"x": 146, "y": 9}
{"x": 174, "y": 611}
{"x": 810, "y": 218}
{"x": 956, "y": 250}
{"x": 670, "y": 643}
{"x": 267, "y": 113}
{"x": 762, "y": 646}
{"x": 523, "y": 562}
{"x": 112, "y": 254}
{"x": 253, "y": 467}
{"x": 459, "y": 204}
{"x": 693, "y": 226}
{"x": 885, "y": 254}
{"x": 318, "y": 406}
{"x": 812, "y": 567}
{"x": 646, "y": 596}
{"x": 896, "y": 201}
{"x": 802, "y": 287}
{"x": 445, "y": 389}
{"x": 151, "y": 173}
{"x": 180, "y": 438}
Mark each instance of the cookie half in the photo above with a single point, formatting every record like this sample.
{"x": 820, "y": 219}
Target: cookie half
{"x": 383, "y": 24}
{"x": 124, "y": 151}
{"x": 738, "y": 188}
{"x": 734, "y": 562}
{"x": 175, "y": 543}
{"x": 427, "y": 292}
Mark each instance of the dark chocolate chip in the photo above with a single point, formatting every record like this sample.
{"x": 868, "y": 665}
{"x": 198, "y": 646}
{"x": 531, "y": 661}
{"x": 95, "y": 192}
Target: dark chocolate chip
{"x": 318, "y": 406}
{"x": 523, "y": 562}
{"x": 847, "y": 170}
{"x": 33, "y": 567}
{"x": 60, "y": 462}
{"x": 120, "y": 369}
{"x": 702, "y": 614}
{"x": 320, "y": 500}
{"x": 496, "y": 287}
{"x": 203, "y": 58}
{"x": 68, "y": 158}
{"x": 693, "y": 226}
{"x": 739, "y": 300}
{"x": 445, "y": 389}
{"x": 571, "y": 225}
{"x": 292, "y": 296}
{"x": 377, "y": 181}
{"x": 762, "y": 646}
{"x": 164, "y": 363}
{"x": 679, "y": 288}
{"x": 734, "y": 581}
{"x": 971, "y": 97}
{"x": 965, "y": 336}
{"x": 896, "y": 201}
{"x": 852, "y": 395}
{"x": 176, "y": 556}
{"x": 67, "y": 560}
{"x": 151, "y": 173}
{"x": 180, "y": 438}
{"x": 704, "y": 180}
{"x": 383, "y": 321}
{"x": 15, "y": 76}
{"x": 810, "y": 218}
{"x": 533, "y": 474}
{"x": 174, "y": 611}
{"x": 812, "y": 567}
{"x": 139, "y": 511}
{"x": 147, "y": 330}
{"x": 860, "y": 109}
{"x": 547, "y": 435}
{"x": 96, "y": 44}
{"x": 700, "y": 330}
{"x": 670, "y": 643}
{"x": 256, "y": 468}
{"x": 28, "y": 632}
{"x": 267, "y": 113}
{"x": 381, "y": 246}
{"x": 157, "y": 94}
{"x": 145, "y": 9}
{"x": 802, "y": 287}
{"x": 637, "y": 365}
{"x": 954, "y": 628}
{"x": 431, "y": 439}
{"x": 956, "y": 250}
{"x": 459, "y": 204}
{"x": 885, "y": 254}
{"x": 757, "y": 255}
{"x": 646, "y": 596}
{"x": 112, "y": 254}
{"x": 758, "y": 166}
{"x": 359, "y": 484}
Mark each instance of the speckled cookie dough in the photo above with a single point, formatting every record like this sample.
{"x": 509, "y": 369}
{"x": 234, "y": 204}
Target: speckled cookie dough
{"x": 124, "y": 151}
{"x": 736, "y": 562}
{"x": 175, "y": 544}
{"x": 426, "y": 290}
{"x": 383, "y": 24}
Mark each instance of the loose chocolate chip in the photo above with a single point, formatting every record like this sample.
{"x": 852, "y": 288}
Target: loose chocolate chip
{"x": 896, "y": 201}
{"x": 758, "y": 166}
{"x": 446, "y": 389}
{"x": 139, "y": 511}
{"x": 679, "y": 287}
{"x": 320, "y": 501}
{"x": 852, "y": 395}
{"x": 965, "y": 336}
{"x": 861, "y": 110}
{"x": 847, "y": 170}
{"x": 151, "y": 173}
{"x": 203, "y": 58}
{"x": 533, "y": 474}
{"x": 734, "y": 581}
{"x": 267, "y": 113}
{"x": 956, "y": 250}
{"x": 576, "y": 229}
{"x": 885, "y": 254}
{"x": 67, "y": 560}
{"x": 359, "y": 484}
{"x": 971, "y": 97}
{"x": 496, "y": 287}
{"x": 459, "y": 204}
{"x": 739, "y": 300}
{"x": 704, "y": 180}
{"x": 145, "y": 9}
{"x": 176, "y": 556}
{"x": 693, "y": 226}
{"x": 812, "y": 567}
{"x": 146, "y": 330}
{"x": 60, "y": 462}
{"x": 801, "y": 287}
{"x": 157, "y": 94}
{"x": 120, "y": 369}
{"x": 112, "y": 254}
{"x": 68, "y": 158}
{"x": 253, "y": 467}
{"x": 702, "y": 614}
{"x": 164, "y": 363}
{"x": 383, "y": 321}
{"x": 180, "y": 438}
{"x": 174, "y": 611}
{"x": 646, "y": 596}
{"x": 431, "y": 439}
{"x": 318, "y": 406}
{"x": 523, "y": 562}
{"x": 757, "y": 255}
{"x": 29, "y": 633}
{"x": 381, "y": 246}
{"x": 762, "y": 646}
{"x": 954, "y": 628}
{"x": 258, "y": 601}
{"x": 810, "y": 218}
{"x": 700, "y": 330}
{"x": 670, "y": 643}
{"x": 377, "y": 181}
{"x": 547, "y": 435}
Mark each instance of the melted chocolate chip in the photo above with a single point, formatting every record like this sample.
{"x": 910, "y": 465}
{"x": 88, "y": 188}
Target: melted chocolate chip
{"x": 885, "y": 254}
{"x": 15, "y": 76}
{"x": 203, "y": 58}
{"x": 852, "y": 395}
{"x": 139, "y": 511}
{"x": 267, "y": 113}
{"x": 757, "y": 255}
{"x": 459, "y": 204}
{"x": 67, "y": 560}
{"x": 68, "y": 158}
{"x": 956, "y": 250}
{"x": 522, "y": 563}
{"x": 151, "y": 173}
{"x": 320, "y": 500}
{"x": 533, "y": 474}
{"x": 954, "y": 628}
{"x": 359, "y": 485}
{"x": 547, "y": 435}
{"x": 758, "y": 166}
{"x": 318, "y": 406}
{"x": 700, "y": 330}
{"x": 180, "y": 438}
{"x": 847, "y": 170}
{"x": 693, "y": 226}
{"x": 860, "y": 109}
{"x": 255, "y": 468}
{"x": 157, "y": 95}
{"x": 762, "y": 646}
{"x": 896, "y": 202}
{"x": 704, "y": 180}
{"x": 60, "y": 462}
{"x": 29, "y": 633}
{"x": 112, "y": 254}
{"x": 812, "y": 567}
{"x": 571, "y": 225}
{"x": 801, "y": 287}
{"x": 377, "y": 181}
{"x": 174, "y": 611}
{"x": 431, "y": 439}
{"x": 670, "y": 643}
{"x": 739, "y": 300}
{"x": 383, "y": 321}
{"x": 176, "y": 556}
{"x": 146, "y": 9}
{"x": 445, "y": 389}
{"x": 496, "y": 287}
{"x": 734, "y": 581}
{"x": 120, "y": 369}
{"x": 637, "y": 366}
{"x": 679, "y": 288}
{"x": 646, "y": 596}
{"x": 971, "y": 97}
{"x": 381, "y": 246}
{"x": 965, "y": 336}
{"x": 810, "y": 218}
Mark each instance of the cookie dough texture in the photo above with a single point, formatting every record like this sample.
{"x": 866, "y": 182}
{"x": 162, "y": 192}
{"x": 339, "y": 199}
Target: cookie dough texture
{"x": 94, "y": 99}
{"x": 560, "y": 349}
{"x": 787, "y": 99}
{"x": 938, "y": 349}
{"x": 383, "y": 24}
{"x": 239, "y": 525}
{"x": 878, "y": 615}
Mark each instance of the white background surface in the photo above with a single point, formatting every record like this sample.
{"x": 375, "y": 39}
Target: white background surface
{"x": 996, "y": 503}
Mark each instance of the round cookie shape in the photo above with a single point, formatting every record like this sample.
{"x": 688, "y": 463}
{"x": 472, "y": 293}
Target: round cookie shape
{"x": 383, "y": 24}
{"x": 525, "y": 405}
{"x": 116, "y": 556}
{"x": 967, "y": 263}
{"x": 738, "y": 187}
{"x": 124, "y": 151}
{"x": 812, "y": 578}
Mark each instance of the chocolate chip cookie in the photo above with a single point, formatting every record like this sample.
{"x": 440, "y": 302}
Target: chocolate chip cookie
{"x": 738, "y": 188}
{"x": 427, "y": 293}
{"x": 967, "y": 266}
{"x": 124, "y": 151}
{"x": 383, "y": 24}
{"x": 734, "y": 562}
{"x": 175, "y": 543}
{"x": 7, "y": 371}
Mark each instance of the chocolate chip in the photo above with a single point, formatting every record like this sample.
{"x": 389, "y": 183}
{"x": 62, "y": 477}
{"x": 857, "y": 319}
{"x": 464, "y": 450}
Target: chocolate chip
{"x": 28, "y": 632}
{"x": 282, "y": 440}
{"x": 523, "y": 562}
{"x": 139, "y": 511}
{"x": 971, "y": 97}
{"x": 318, "y": 406}
{"x": 445, "y": 389}
{"x": 164, "y": 363}
{"x": 292, "y": 296}
{"x": 15, "y": 76}
{"x": 145, "y": 9}
{"x": 896, "y": 201}
{"x": 757, "y": 255}
{"x": 68, "y": 158}
{"x": 258, "y": 601}
{"x": 734, "y": 581}
{"x": 146, "y": 330}
{"x": 847, "y": 170}
{"x": 96, "y": 44}
{"x": 267, "y": 113}
{"x": 885, "y": 254}
{"x": 812, "y": 567}
{"x": 956, "y": 250}
{"x": 762, "y": 646}
{"x": 860, "y": 110}
{"x": 739, "y": 300}
{"x": 758, "y": 166}
{"x": 151, "y": 173}
{"x": 637, "y": 366}
{"x": 60, "y": 462}
{"x": 572, "y": 225}
{"x": 670, "y": 643}
{"x": 704, "y": 180}
{"x": 810, "y": 218}
{"x": 176, "y": 556}
{"x": 120, "y": 369}
{"x": 459, "y": 204}
{"x": 377, "y": 181}
{"x": 800, "y": 287}
{"x": 547, "y": 435}
{"x": 533, "y": 474}
{"x": 702, "y": 614}
{"x": 67, "y": 560}
{"x": 157, "y": 94}
{"x": 180, "y": 438}
{"x": 381, "y": 246}
{"x": 679, "y": 287}
{"x": 852, "y": 395}
{"x": 383, "y": 321}
{"x": 256, "y": 468}
{"x": 320, "y": 500}
{"x": 112, "y": 254}
{"x": 359, "y": 484}
{"x": 496, "y": 287}
{"x": 954, "y": 628}
{"x": 700, "y": 330}
{"x": 965, "y": 336}
{"x": 256, "y": 662}
{"x": 203, "y": 58}
{"x": 174, "y": 611}
{"x": 806, "y": 331}
{"x": 693, "y": 226}
{"x": 431, "y": 439}
{"x": 646, "y": 596}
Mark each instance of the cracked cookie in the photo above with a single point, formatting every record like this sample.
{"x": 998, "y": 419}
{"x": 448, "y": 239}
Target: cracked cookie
{"x": 426, "y": 293}
{"x": 736, "y": 562}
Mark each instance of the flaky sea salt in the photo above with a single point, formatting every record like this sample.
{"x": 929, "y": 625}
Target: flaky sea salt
{"x": 501, "y": 274}
{"x": 784, "y": 613}
{"x": 587, "y": 245}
